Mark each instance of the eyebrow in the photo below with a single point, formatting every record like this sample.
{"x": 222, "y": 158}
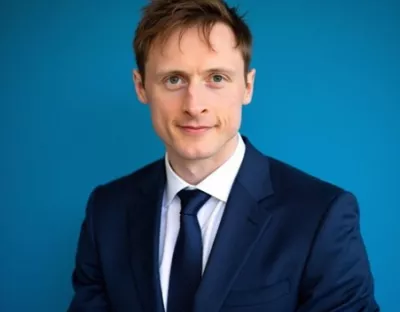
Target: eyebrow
{"x": 223, "y": 70}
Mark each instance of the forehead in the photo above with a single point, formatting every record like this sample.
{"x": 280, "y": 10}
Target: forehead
{"x": 190, "y": 51}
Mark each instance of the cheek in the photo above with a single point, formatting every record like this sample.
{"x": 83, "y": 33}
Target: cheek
{"x": 229, "y": 117}
{"x": 164, "y": 106}
{"x": 232, "y": 94}
{"x": 229, "y": 107}
{"x": 164, "y": 99}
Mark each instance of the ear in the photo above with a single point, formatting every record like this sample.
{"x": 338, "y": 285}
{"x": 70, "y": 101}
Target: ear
{"x": 248, "y": 94}
{"x": 139, "y": 87}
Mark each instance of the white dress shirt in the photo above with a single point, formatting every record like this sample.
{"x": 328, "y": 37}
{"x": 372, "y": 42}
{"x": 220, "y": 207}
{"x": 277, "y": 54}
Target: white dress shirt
{"x": 218, "y": 185}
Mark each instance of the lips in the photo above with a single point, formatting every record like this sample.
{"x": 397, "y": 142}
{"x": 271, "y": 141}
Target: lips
{"x": 194, "y": 129}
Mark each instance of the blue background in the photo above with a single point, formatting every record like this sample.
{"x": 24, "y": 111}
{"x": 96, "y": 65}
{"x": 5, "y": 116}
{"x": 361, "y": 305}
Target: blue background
{"x": 326, "y": 100}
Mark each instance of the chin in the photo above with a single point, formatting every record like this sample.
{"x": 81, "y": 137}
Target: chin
{"x": 194, "y": 152}
{"x": 195, "y": 155}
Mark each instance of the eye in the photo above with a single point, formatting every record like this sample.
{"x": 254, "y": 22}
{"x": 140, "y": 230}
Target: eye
{"x": 217, "y": 81}
{"x": 217, "y": 78}
{"x": 173, "y": 80}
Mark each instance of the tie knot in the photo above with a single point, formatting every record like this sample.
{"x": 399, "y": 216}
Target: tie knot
{"x": 192, "y": 201}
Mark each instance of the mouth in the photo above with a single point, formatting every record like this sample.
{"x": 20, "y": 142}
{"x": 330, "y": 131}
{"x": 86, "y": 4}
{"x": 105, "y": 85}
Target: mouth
{"x": 194, "y": 130}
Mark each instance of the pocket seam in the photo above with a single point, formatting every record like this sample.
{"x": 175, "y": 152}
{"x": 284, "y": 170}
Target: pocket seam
{"x": 232, "y": 301}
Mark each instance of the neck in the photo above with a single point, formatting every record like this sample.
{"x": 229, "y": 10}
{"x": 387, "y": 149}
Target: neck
{"x": 194, "y": 171}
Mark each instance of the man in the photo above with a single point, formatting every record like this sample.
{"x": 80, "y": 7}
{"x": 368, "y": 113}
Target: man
{"x": 214, "y": 225}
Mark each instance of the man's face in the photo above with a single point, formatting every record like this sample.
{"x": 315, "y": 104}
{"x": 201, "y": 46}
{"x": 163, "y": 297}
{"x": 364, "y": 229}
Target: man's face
{"x": 196, "y": 94}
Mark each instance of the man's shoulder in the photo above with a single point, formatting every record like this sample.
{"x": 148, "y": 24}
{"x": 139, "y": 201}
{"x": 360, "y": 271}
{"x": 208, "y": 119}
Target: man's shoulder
{"x": 306, "y": 195}
{"x": 297, "y": 184}
{"x": 290, "y": 182}
{"x": 134, "y": 181}
{"x": 108, "y": 202}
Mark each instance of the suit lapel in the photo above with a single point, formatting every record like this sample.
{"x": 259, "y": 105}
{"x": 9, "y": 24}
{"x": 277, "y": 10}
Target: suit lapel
{"x": 244, "y": 220}
{"x": 144, "y": 228}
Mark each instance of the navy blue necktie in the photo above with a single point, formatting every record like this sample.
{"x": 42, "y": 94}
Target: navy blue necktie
{"x": 186, "y": 267}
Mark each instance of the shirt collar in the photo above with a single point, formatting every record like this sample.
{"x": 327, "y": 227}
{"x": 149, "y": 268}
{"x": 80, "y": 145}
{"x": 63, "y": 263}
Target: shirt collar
{"x": 218, "y": 184}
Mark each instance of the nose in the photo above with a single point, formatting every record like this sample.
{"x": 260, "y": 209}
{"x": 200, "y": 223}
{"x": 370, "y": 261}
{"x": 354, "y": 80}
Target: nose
{"x": 194, "y": 102}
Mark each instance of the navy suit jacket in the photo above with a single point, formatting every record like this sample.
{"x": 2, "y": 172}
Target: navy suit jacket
{"x": 287, "y": 242}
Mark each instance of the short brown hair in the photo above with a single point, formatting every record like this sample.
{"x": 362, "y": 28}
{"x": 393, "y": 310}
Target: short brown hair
{"x": 162, "y": 17}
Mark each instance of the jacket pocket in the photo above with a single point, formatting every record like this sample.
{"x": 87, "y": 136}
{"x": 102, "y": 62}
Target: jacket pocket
{"x": 256, "y": 296}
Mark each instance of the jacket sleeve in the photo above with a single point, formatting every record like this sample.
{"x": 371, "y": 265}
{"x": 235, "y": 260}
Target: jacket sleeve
{"x": 337, "y": 276}
{"x": 87, "y": 278}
